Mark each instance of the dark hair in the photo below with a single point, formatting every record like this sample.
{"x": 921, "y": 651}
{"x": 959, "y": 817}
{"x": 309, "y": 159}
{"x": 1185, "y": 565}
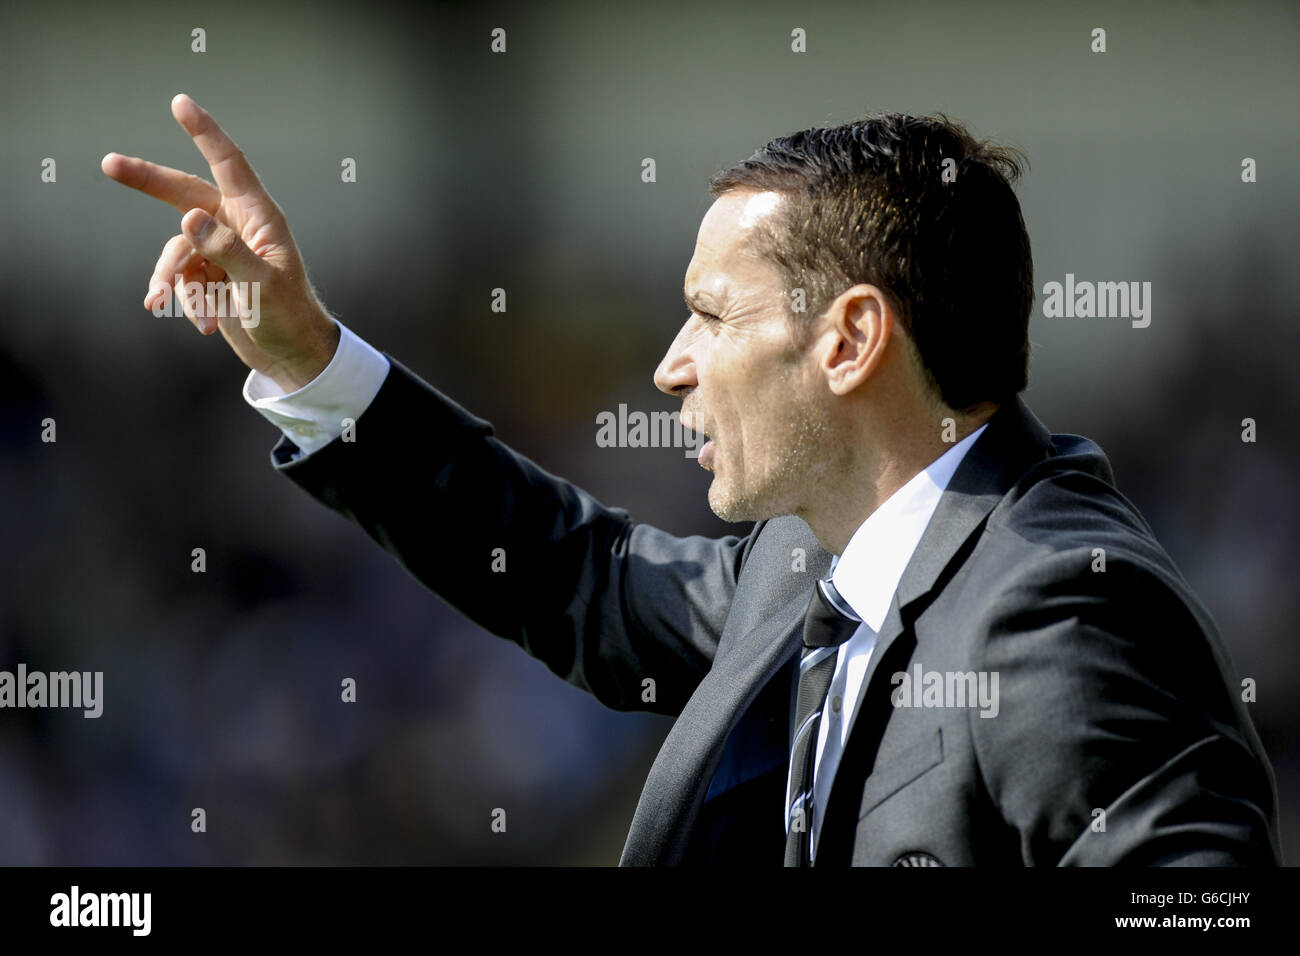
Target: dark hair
{"x": 868, "y": 202}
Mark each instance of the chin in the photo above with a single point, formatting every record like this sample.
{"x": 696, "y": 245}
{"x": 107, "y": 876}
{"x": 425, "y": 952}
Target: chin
{"x": 729, "y": 506}
{"x": 721, "y": 504}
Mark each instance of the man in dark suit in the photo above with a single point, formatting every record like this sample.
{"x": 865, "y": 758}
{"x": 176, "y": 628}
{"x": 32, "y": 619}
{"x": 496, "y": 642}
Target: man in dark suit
{"x": 948, "y": 639}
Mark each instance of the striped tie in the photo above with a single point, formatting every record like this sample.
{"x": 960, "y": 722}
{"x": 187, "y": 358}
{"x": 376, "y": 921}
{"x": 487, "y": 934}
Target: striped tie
{"x": 828, "y": 623}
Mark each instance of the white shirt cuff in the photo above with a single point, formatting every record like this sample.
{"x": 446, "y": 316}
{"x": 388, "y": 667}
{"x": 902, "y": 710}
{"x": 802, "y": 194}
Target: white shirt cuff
{"x": 313, "y": 416}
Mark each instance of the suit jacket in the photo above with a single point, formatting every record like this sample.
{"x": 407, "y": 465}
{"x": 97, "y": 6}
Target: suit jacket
{"x": 1120, "y": 735}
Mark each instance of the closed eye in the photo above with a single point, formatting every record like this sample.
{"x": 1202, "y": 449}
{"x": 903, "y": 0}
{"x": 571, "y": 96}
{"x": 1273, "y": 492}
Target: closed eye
{"x": 694, "y": 303}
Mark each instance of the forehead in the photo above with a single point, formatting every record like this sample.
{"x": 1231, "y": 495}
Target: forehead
{"x": 725, "y": 246}
{"x": 727, "y": 234}
{"x": 734, "y": 218}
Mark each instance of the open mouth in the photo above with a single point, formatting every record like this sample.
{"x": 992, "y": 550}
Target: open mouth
{"x": 704, "y": 453}
{"x": 705, "y": 457}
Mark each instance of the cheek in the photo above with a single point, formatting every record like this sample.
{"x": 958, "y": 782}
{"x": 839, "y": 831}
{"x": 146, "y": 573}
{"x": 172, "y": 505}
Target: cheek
{"x": 743, "y": 412}
{"x": 773, "y": 404}
{"x": 726, "y": 392}
{"x": 746, "y": 387}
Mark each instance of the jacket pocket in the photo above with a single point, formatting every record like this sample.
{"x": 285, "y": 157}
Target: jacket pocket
{"x": 901, "y": 770}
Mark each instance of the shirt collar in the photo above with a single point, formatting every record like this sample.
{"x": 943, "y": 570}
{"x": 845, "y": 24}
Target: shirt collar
{"x": 868, "y": 572}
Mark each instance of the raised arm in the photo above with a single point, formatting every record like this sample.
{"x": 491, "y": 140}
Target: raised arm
{"x": 605, "y": 602}
{"x": 626, "y": 611}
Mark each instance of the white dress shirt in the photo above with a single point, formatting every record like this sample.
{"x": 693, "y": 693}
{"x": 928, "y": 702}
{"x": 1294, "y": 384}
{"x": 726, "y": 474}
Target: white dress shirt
{"x": 866, "y": 574}
{"x": 313, "y": 416}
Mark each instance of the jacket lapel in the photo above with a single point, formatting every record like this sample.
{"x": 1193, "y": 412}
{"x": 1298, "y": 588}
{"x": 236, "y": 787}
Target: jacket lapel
{"x": 679, "y": 778}
{"x": 1012, "y": 443}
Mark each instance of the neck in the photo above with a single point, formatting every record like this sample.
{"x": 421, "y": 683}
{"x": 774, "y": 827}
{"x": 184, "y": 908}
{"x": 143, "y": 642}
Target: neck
{"x": 871, "y": 464}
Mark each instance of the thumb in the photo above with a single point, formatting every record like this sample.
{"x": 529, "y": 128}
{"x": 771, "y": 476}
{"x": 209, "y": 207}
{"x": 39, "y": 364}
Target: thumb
{"x": 218, "y": 243}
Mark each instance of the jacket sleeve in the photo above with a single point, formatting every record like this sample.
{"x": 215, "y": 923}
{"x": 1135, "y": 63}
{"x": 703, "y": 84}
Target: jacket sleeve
{"x": 1121, "y": 737}
{"x": 605, "y": 602}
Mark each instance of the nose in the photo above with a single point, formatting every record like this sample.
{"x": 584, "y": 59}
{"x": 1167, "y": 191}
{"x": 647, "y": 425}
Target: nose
{"x": 676, "y": 371}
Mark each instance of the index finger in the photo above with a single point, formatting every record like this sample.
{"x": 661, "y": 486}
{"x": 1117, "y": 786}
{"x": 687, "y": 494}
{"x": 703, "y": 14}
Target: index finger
{"x": 183, "y": 190}
{"x": 230, "y": 169}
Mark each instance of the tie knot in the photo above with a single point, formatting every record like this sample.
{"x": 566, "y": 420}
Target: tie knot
{"x": 829, "y": 621}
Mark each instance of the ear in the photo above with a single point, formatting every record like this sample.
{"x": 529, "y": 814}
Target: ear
{"x": 856, "y": 331}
